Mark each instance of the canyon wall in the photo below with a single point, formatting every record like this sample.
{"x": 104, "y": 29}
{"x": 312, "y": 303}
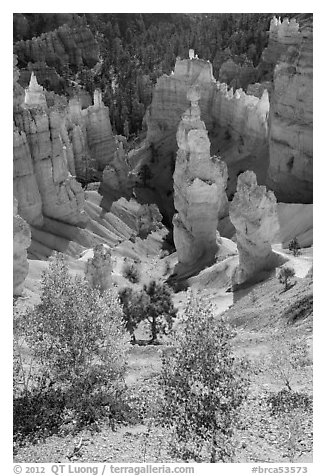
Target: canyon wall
{"x": 43, "y": 184}
{"x": 90, "y": 135}
{"x": 253, "y": 212}
{"x": 22, "y": 240}
{"x": 40, "y": 169}
{"x": 199, "y": 189}
{"x": 117, "y": 178}
{"x": 275, "y": 141}
{"x": 237, "y": 126}
{"x": 290, "y": 172}
{"x": 52, "y": 145}
{"x": 282, "y": 35}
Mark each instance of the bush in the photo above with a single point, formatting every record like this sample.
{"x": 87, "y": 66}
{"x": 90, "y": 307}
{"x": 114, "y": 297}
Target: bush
{"x": 293, "y": 414}
{"x": 204, "y": 386}
{"x": 286, "y": 400}
{"x": 284, "y": 276}
{"x": 131, "y": 272}
{"x": 286, "y": 358}
{"x": 77, "y": 343}
{"x": 294, "y": 247}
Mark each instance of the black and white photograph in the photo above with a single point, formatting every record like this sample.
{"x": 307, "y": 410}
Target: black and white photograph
{"x": 162, "y": 240}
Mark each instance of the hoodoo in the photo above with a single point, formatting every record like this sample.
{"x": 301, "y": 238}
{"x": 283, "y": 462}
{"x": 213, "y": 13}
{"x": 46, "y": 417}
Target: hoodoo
{"x": 199, "y": 188}
{"x": 253, "y": 212}
{"x": 98, "y": 269}
{"x": 34, "y": 94}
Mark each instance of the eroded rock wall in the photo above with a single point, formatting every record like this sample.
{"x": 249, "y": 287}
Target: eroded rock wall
{"x": 55, "y": 145}
{"x": 22, "y": 240}
{"x": 90, "y": 138}
{"x": 117, "y": 179}
{"x": 282, "y": 34}
{"x": 253, "y": 212}
{"x": 290, "y": 172}
{"x": 199, "y": 189}
{"x": 42, "y": 182}
{"x": 237, "y": 125}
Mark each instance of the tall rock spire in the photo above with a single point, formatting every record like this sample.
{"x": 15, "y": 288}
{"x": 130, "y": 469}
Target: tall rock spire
{"x": 199, "y": 188}
{"x": 34, "y": 94}
{"x": 253, "y": 212}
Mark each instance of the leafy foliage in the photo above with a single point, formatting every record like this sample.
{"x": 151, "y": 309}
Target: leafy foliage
{"x": 145, "y": 174}
{"x": 294, "y": 247}
{"x": 292, "y": 411}
{"x": 133, "y": 305}
{"x": 76, "y": 343}
{"x": 131, "y": 272}
{"x": 159, "y": 309}
{"x": 284, "y": 276}
{"x": 152, "y": 304}
{"x": 287, "y": 400}
{"x": 286, "y": 358}
{"x": 204, "y": 386}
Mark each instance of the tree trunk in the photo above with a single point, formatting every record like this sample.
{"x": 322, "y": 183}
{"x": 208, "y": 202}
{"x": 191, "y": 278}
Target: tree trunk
{"x": 213, "y": 450}
{"x": 154, "y": 329}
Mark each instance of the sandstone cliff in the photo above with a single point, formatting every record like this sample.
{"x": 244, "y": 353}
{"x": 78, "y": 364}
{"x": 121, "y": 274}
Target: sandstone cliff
{"x": 37, "y": 131}
{"x": 282, "y": 35}
{"x": 117, "y": 179}
{"x": 253, "y": 212}
{"x": 42, "y": 183}
{"x": 89, "y": 135}
{"x": 291, "y": 115}
{"x": 22, "y": 240}
{"x": 199, "y": 189}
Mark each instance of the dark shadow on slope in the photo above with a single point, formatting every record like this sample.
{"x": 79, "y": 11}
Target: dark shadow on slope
{"x": 241, "y": 290}
{"x": 299, "y": 310}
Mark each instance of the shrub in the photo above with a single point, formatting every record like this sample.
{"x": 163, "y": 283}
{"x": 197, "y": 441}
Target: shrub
{"x": 204, "y": 386}
{"x": 286, "y": 358}
{"x": 131, "y": 272}
{"x": 78, "y": 341}
{"x": 145, "y": 174}
{"x": 292, "y": 412}
{"x": 286, "y": 400}
{"x": 294, "y": 247}
{"x": 284, "y": 276}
